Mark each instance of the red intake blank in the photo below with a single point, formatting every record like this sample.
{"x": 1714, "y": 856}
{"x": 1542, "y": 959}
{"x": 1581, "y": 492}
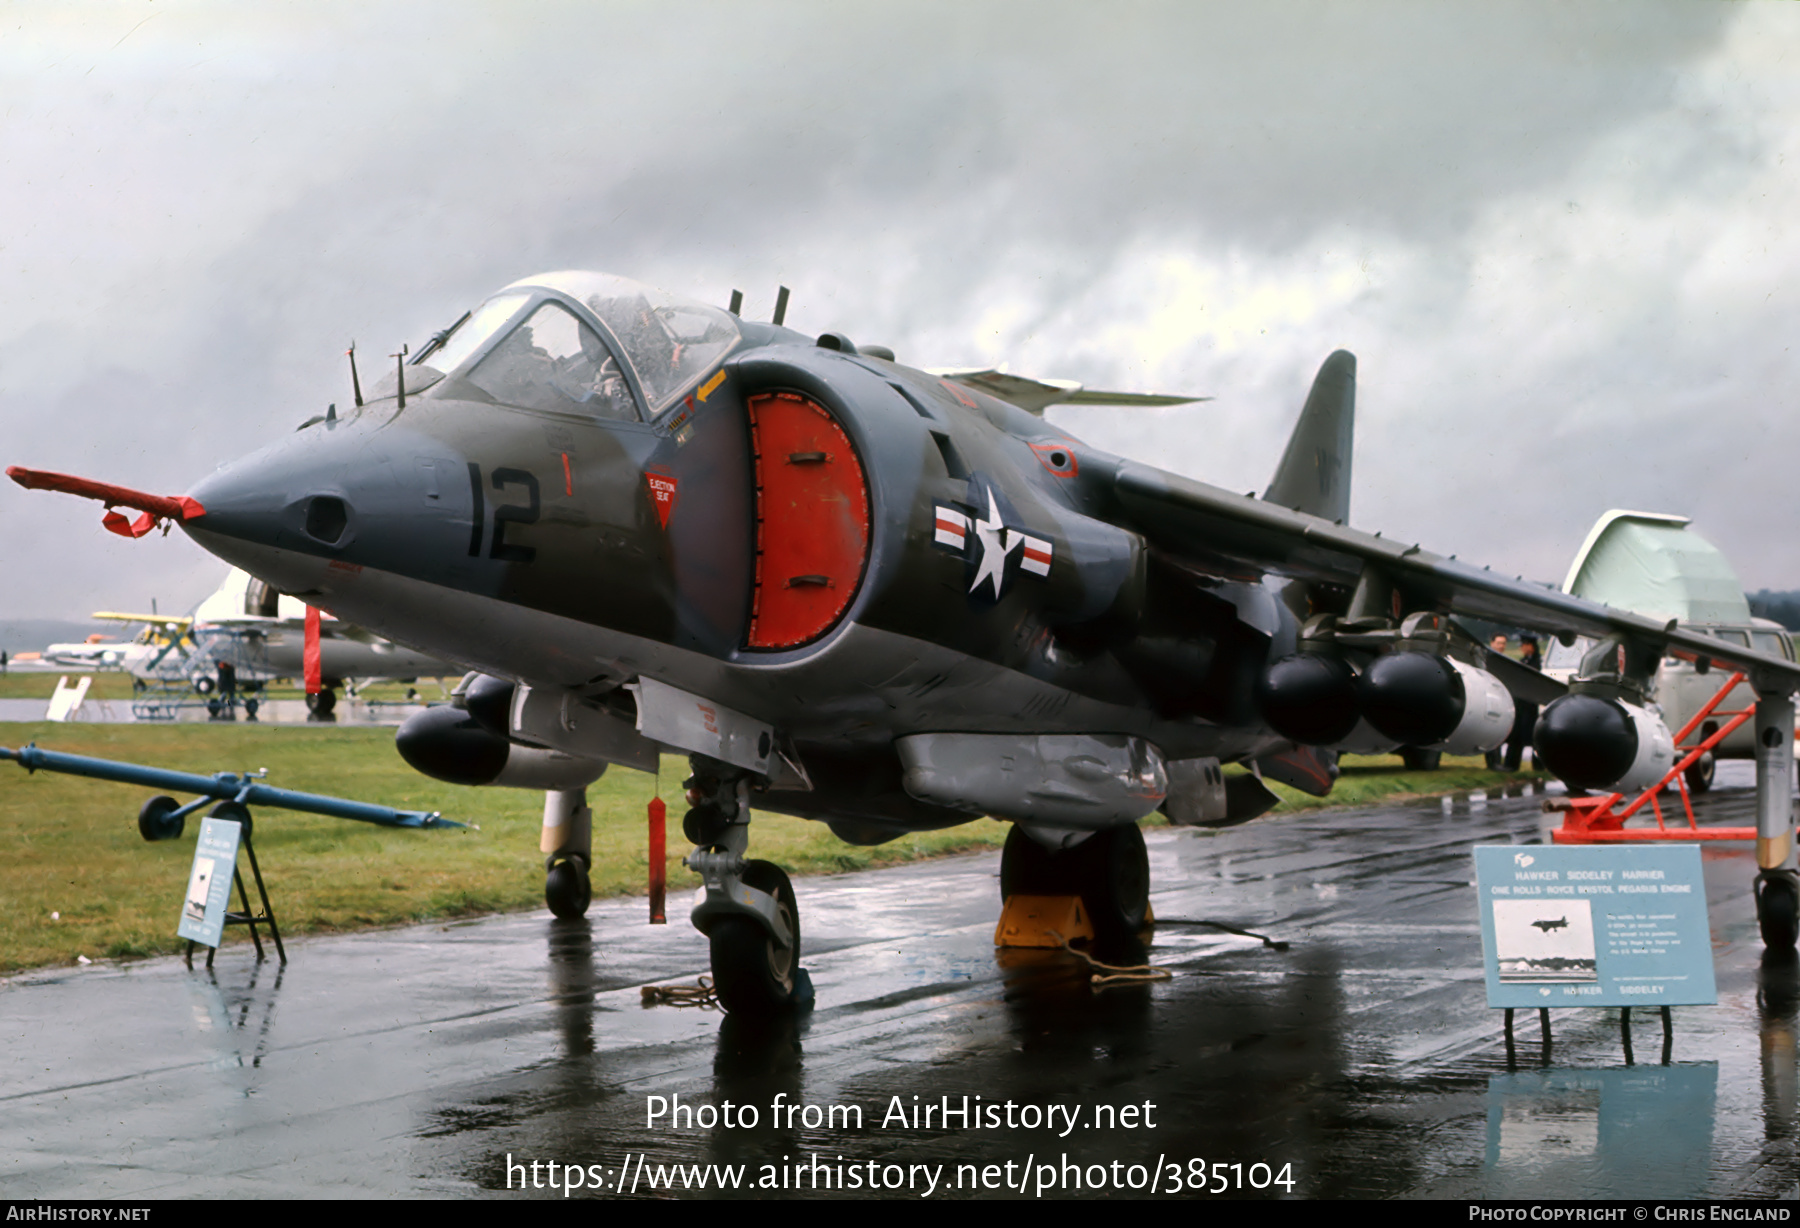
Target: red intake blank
{"x": 812, "y": 521}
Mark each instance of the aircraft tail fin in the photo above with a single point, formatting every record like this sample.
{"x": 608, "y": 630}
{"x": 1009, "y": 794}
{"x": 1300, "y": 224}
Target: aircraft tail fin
{"x": 1314, "y": 474}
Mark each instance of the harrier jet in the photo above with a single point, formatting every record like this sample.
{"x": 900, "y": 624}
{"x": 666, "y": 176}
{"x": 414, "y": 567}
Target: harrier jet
{"x": 890, "y": 600}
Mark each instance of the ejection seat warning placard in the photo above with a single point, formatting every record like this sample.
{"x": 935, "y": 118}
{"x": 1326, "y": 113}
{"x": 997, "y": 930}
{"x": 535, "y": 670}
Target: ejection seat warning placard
{"x": 1594, "y": 926}
{"x": 209, "y": 883}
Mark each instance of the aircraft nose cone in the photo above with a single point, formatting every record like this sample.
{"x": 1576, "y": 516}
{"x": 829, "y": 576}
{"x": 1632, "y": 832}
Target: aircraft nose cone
{"x": 329, "y": 502}
{"x": 272, "y": 504}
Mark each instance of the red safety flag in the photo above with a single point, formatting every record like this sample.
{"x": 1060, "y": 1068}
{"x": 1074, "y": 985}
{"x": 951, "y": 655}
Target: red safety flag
{"x": 156, "y": 508}
{"x": 311, "y": 655}
{"x": 659, "y": 860}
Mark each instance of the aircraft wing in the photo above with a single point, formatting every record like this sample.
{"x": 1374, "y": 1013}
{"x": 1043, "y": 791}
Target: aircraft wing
{"x": 1244, "y": 535}
{"x": 157, "y": 620}
{"x": 1036, "y": 395}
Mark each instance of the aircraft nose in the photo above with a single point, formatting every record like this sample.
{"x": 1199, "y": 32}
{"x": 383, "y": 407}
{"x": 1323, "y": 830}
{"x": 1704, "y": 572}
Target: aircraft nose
{"x": 270, "y": 501}
{"x": 312, "y": 511}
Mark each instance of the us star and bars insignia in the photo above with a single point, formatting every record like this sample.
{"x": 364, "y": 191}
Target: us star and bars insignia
{"x": 987, "y": 543}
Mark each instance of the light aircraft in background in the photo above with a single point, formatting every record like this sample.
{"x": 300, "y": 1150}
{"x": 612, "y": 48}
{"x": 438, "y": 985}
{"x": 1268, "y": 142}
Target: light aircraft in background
{"x": 95, "y": 652}
{"x": 857, "y": 592}
{"x": 260, "y": 635}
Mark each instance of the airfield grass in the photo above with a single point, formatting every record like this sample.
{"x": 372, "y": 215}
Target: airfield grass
{"x": 77, "y": 879}
{"x": 115, "y": 686}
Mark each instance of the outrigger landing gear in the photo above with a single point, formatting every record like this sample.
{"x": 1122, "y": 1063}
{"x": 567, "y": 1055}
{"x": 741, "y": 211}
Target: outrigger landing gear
{"x": 567, "y": 845}
{"x": 1778, "y": 909}
{"x": 749, "y": 916}
{"x": 1777, "y": 884}
{"x": 1110, "y": 871}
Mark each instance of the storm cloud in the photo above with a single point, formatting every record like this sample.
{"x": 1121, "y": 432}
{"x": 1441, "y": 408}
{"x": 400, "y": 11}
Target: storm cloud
{"x": 1555, "y": 235}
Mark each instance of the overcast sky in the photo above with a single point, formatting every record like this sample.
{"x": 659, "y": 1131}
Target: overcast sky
{"x": 1557, "y": 236}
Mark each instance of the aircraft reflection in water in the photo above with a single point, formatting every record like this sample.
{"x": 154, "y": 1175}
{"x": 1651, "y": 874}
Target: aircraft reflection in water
{"x": 857, "y": 592}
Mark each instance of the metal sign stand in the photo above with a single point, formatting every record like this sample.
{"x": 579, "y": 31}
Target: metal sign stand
{"x": 1543, "y": 1031}
{"x": 245, "y": 916}
{"x": 1668, "y": 1045}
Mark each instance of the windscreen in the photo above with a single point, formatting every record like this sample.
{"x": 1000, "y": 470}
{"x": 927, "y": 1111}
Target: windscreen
{"x": 473, "y": 332}
{"x": 670, "y": 343}
{"x": 553, "y": 361}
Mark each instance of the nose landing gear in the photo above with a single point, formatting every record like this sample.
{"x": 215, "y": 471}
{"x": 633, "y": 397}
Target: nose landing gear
{"x": 749, "y": 916}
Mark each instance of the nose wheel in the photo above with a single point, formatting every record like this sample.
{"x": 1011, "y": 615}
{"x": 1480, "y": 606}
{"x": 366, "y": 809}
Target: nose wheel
{"x": 753, "y": 972}
{"x": 1700, "y": 773}
{"x": 749, "y": 916}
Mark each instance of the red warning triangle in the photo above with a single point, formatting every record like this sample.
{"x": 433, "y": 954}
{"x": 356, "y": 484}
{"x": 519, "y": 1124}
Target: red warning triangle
{"x": 662, "y": 494}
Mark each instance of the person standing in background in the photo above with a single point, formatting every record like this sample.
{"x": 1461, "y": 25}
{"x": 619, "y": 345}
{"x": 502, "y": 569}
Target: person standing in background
{"x": 1524, "y": 714}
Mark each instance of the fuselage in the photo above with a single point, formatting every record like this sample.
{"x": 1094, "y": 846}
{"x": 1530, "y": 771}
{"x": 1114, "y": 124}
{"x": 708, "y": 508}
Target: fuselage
{"x": 846, "y": 548}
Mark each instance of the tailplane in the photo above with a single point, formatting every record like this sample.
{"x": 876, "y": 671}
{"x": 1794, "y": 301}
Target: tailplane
{"x": 1314, "y": 474}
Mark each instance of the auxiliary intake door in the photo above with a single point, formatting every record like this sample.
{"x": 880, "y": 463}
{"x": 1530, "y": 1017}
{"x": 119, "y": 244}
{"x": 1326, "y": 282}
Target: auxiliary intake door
{"x": 812, "y": 521}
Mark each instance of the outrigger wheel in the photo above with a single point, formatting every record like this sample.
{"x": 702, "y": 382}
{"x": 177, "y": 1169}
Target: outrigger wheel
{"x": 1110, "y": 871}
{"x": 1778, "y": 908}
{"x": 567, "y": 889}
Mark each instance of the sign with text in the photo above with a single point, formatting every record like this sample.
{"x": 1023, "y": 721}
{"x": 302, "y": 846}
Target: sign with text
{"x": 209, "y": 883}
{"x": 1609, "y": 925}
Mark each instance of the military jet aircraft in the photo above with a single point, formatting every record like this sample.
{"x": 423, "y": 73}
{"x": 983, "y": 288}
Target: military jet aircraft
{"x": 860, "y": 593}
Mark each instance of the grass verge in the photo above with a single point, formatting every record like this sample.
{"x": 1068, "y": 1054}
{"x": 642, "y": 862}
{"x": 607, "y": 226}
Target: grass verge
{"x": 78, "y": 880}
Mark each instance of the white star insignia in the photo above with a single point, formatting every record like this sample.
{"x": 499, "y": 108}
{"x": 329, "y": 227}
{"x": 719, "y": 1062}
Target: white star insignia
{"x": 996, "y": 542}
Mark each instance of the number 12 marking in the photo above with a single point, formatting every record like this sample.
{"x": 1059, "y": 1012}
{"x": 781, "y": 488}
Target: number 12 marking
{"x": 504, "y": 513}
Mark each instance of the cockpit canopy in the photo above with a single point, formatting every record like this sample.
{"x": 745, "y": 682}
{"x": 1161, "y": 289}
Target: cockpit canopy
{"x": 589, "y": 343}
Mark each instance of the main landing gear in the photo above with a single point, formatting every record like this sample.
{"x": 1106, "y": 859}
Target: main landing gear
{"x": 1110, "y": 871}
{"x": 749, "y": 916}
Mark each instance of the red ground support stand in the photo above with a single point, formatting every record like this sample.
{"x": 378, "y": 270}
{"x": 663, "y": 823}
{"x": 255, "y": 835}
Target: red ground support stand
{"x": 1593, "y": 820}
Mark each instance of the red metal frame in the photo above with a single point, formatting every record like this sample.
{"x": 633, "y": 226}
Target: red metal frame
{"x": 1593, "y": 820}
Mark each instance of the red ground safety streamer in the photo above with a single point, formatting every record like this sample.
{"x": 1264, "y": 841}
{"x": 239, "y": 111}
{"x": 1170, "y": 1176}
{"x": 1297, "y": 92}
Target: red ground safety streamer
{"x": 659, "y": 860}
{"x": 156, "y": 508}
{"x": 311, "y": 656}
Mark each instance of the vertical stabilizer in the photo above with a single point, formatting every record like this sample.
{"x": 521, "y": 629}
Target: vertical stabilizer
{"x": 1314, "y": 474}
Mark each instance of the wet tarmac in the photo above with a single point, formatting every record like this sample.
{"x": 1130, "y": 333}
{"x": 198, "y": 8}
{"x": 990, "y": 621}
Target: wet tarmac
{"x": 1359, "y": 1061}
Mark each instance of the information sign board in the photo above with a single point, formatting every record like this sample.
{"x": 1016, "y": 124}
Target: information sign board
{"x": 1605, "y": 925}
{"x": 209, "y": 883}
